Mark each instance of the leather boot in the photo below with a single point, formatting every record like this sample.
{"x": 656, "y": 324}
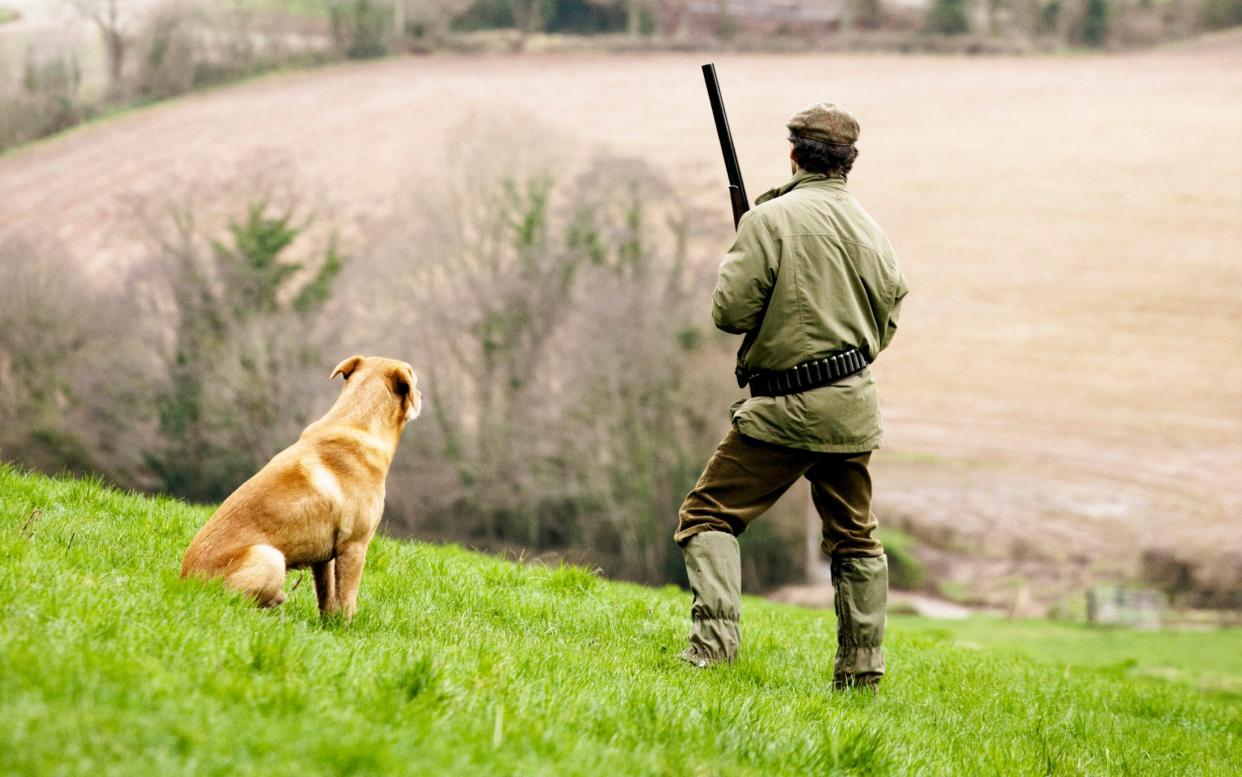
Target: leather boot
{"x": 714, "y": 566}
{"x": 861, "y": 603}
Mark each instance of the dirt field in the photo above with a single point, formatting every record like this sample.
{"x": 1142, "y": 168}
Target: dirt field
{"x": 1068, "y": 382}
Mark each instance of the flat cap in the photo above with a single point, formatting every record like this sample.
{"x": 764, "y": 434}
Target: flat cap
{"x": 825, "y": 122}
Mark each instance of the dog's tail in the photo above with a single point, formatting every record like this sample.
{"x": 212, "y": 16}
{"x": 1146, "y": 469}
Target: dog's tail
{"x": 259, "y": 571}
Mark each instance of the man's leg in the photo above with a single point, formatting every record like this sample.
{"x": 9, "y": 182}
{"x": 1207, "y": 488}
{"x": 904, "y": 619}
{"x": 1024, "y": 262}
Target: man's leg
{"x": 714, "y": 568}
{"x": 841, "y": 489}
{"x": 742, "y": 480}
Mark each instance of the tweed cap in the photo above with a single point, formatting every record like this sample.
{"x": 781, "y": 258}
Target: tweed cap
{"x": 825, "y": 122}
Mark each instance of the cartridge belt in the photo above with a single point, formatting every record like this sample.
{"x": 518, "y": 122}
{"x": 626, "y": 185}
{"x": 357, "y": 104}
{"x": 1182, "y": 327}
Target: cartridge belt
{"x": 807, "y": 376}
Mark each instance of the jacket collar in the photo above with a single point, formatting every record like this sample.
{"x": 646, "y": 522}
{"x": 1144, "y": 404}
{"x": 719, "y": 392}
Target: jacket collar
{"x": 802, "y": 178}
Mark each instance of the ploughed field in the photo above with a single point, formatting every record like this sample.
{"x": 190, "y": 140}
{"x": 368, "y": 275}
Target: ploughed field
{"x": 1066, "y": 388}
{"x": 464, "y": 664}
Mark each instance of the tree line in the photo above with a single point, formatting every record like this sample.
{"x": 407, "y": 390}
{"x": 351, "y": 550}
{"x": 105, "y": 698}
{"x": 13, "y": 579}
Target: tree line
{"x": 153, "y": 52}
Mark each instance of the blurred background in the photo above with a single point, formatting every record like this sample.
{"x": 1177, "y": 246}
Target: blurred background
{"x": 204, "y": 206}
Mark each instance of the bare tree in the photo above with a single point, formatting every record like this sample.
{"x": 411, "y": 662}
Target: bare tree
{"x": 552, "y": 312}
{"x": 530, "y": 16}
{"x": 992, "y": 13}
{"x": 242, "y": 353}
{"x": 869, "y": 14}
{"x": 115, "y": 21}
{"x": 677, "y": 14}
{"x": 726, "y": 25}
{"x": 60, "y": 357}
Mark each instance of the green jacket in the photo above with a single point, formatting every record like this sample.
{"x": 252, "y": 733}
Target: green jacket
{"x": 809, "y": 275}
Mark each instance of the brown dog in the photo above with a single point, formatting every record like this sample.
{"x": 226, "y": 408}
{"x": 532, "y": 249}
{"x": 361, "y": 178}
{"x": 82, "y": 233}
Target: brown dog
{"x": 319, "y": 501}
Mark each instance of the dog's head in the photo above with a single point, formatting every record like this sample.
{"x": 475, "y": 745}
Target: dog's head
{"x": 389, "y": 382}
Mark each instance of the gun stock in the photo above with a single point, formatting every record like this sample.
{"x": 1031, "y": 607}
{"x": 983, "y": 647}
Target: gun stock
{"x": 737, "y": 190}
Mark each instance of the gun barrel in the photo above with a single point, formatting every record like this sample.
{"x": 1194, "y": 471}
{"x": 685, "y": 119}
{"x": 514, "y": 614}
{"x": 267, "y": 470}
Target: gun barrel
{"x": 737, "y": 190}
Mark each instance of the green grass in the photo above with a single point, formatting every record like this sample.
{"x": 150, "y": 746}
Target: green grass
{"x": 1210, "y": 660}
{"x": 459, "y": 663}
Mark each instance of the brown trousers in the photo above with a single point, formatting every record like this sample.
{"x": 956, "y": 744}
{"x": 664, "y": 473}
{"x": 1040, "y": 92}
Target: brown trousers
{"x": 745, "y": 476}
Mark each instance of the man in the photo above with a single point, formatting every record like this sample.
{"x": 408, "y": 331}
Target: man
{"x": 812, "y": 283}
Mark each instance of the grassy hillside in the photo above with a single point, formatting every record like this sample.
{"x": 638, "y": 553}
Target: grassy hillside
{"x": 463, "y": 664}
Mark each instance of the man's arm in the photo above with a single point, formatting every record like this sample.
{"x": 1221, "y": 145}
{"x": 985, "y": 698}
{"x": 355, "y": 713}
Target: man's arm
{"x": 894, "y": 312}
{"x": 746, "y": 278}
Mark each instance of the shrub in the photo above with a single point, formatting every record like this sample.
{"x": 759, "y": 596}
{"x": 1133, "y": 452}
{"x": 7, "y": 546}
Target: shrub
{"x": 1095, "y": 21}
{"x": 948, "y": 17}
{"x": 905, "y": 570}
{"x": 47, "y": 101}
{"x": 486, "y": 15}
{"x": 359, "y": 28}
{"x": 1049, "y": 14}
{"x": 771, "y": 555}
{"x": 168, "y": 55}
{"x": 587, "y": 17}
{"x": 1218, "y": 14}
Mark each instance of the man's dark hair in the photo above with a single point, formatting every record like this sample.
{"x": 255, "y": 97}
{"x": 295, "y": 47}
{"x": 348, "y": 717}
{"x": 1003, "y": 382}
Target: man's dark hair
{"x": 831, "y": 159}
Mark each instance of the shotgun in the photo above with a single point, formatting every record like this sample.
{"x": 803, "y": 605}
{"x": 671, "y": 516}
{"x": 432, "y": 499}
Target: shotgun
{"x": 737, "y": 192}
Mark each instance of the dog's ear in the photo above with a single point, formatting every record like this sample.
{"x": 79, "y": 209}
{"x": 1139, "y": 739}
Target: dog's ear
{"x": 404, "y": 384}
{"x": 347, "y": 367}
{"x": 401, "y": 383}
